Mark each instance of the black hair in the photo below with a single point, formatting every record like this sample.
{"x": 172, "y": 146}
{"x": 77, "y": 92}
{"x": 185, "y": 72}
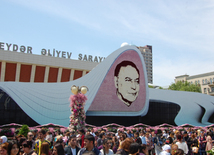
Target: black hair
{"x": 29, "y": 143}
{"x": 101, "y": 135}
{"x": 142, "y": 147}
{"x": 59, "y": 148}
{"x": 82, "y": 131}
{"x": 137, "y": 133}
{"x": 90, "y": 138}
{"x": 42, "y": 131}
{"x": 10, "y": 146}
{"x": 71, "y": 137}
{"x": 133, "y": 148}
{"x": 124, "y": 64}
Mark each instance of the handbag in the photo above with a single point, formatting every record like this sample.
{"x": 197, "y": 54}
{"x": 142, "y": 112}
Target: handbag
{"x": 195, "y": 149}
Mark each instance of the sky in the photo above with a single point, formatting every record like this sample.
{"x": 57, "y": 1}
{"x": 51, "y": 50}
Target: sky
{"x": 181, "y": 33}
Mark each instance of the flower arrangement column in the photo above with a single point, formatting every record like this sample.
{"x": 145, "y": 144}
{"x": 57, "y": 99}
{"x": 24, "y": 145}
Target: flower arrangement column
{"x": 77, "y": 102}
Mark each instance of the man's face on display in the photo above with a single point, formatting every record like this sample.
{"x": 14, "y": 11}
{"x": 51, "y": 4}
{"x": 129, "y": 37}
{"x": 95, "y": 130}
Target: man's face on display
{"x": 127, "y": 84}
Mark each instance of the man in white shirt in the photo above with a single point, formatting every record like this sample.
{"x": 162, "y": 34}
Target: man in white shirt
{"x": 92, "y": 132}
{"x": 143, "y": 138}
{"x": 72, "y": 148}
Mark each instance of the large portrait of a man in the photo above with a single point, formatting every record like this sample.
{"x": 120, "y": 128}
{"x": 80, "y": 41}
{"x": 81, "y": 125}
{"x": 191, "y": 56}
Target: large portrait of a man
{"x": 127, "y": 80}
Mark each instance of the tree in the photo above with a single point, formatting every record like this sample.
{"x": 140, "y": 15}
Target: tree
{"x": 24, "y": 130}
{"x": 185, "y": 86}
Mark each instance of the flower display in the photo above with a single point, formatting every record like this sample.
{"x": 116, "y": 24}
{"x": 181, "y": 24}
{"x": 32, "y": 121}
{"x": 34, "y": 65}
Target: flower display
{"x": 211, "y": 152}
{"x": 77, "y": 117}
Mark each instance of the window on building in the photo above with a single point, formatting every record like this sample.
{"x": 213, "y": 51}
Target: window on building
{"x": 211, "y": 80}
{"x": 205, "y": 90}
{"x": 198, "y": 81}
{"x": 212, "y": 89}
{"x": 203, "y": 81}
{"x": 208, "y": 90}
{"x": 191, "y": 82}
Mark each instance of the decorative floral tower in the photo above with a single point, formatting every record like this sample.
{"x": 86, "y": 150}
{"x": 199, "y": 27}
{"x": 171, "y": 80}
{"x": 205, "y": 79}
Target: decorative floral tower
{"x": 77, "y": 102}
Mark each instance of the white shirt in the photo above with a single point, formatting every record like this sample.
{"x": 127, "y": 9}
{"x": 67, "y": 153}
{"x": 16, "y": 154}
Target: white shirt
{"x": 110, "y": 152}
{"x": 164, "y": 153}
{"x": 73, "y": 151}
{"x": 183, "y": 146}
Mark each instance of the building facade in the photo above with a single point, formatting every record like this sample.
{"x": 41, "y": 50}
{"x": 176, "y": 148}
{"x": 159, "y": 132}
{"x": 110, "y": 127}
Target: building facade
{"x": 146, "y": 51}
{"x": 206, "y": 81}
{"x": 25, "y": 67}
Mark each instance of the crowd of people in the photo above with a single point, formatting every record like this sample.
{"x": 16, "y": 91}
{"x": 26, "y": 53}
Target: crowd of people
{"x": 102, "y": 142}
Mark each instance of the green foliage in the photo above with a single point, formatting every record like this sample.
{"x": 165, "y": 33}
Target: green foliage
{"x": 150, "y": 86}
{"x": 24, "y": 130}
{"x": 186, "y": 86}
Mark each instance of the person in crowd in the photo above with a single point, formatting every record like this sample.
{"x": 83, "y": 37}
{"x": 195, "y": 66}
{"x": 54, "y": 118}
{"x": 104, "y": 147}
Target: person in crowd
{"x": 165, "y": 134}
{"x": 118, "y": 133}
{"x": 179, "y": 152}
{"x": 115, "y": 144}
{"x": 134, "y": 149}
{"x": 20, "y": 143}
{"x": 194, "y": 142}
{"x": 209, "y": 142}
{"x": 49, "y": 137}
{"x": 3, "y": 139}
{"x": 137, "y": 139}
{"x": 106, "y": 147}
{"x": 60, "y": 140}
{"x": 149, "y": 143}
{"x": 80, "y": 137}
{"x": 143, "y": 150}
{"x": 158, "y": 141}
{"x": 125, "y": 146}
{"x": 72, "y": 148}
{"x": 58, "y": 149}
{"x": 38, "y": 144}
{"x": 100, "y": 140}
{"x": 30, "y": 137}
{"x": 182, "y": 145}
{"x": 129, "y": 134}
{"x": 122, "y": 138}
{"x": 142, "y": 136}
{"x": 4, "y": 148}
{"x": 92, "y": 132}
{"x": 185, "y": 136}
{"x": 27, "y": 148}
{"x": 13, "y": 148}
{"x": 166, "y": 150}
{"x": 202, "y": 143}
{"x": 89, "y": 146}
{"x": 174, "y": 149}
{"x": 45, "y": 148}
{"x": 96, "y": 135}
{"x": 171, "y": 137}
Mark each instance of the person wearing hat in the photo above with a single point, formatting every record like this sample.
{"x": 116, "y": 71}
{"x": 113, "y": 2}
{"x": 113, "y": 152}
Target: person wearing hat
{"x": 166, "y": 150}
{"x": 3, "y": 139}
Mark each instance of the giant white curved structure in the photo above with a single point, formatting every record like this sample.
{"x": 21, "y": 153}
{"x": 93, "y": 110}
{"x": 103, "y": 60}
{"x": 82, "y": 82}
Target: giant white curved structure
{"x": 48, "y": 102}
